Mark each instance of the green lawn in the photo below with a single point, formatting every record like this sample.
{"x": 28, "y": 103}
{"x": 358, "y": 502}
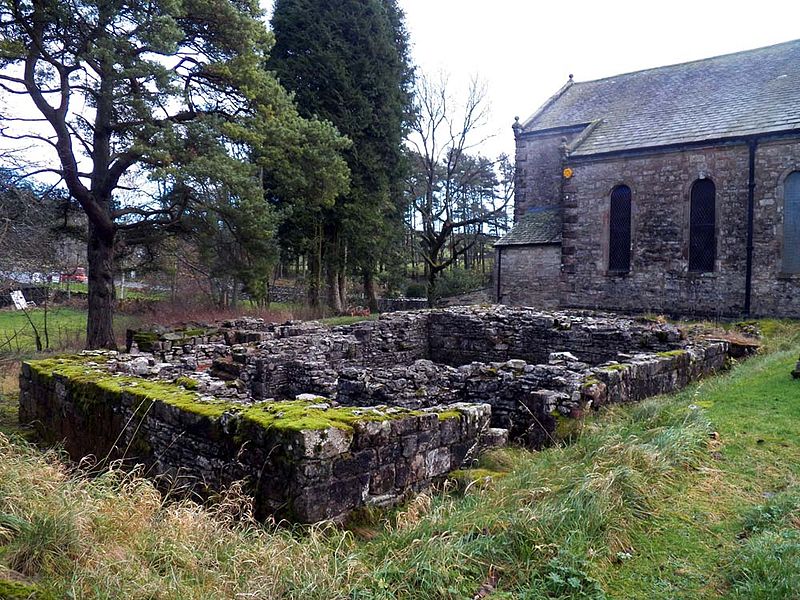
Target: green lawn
{"x": 696, "y": 543}
{"x": 690, "y": 496}
{"x": 337, "y": 321}
{"x": 130, "y": 293}
{"x": 66, "y": 328}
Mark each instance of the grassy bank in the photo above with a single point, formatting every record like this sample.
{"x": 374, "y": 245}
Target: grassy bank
{"x": 689, "y": 496}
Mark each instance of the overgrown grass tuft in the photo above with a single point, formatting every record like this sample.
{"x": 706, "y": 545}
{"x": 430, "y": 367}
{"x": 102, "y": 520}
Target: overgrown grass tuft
{"x": 767, "y": 567}
{"x": 114, "y": 536}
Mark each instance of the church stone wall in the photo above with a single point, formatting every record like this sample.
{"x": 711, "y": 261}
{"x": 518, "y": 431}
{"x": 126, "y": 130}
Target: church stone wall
{"x": 659, "y": 279}
{"x": 774, "y": 293}
{"x": 529, "y": 275}
{"x": 539, "y": 171}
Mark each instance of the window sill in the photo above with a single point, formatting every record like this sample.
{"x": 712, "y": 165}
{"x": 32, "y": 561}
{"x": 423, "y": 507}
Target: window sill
{"x": 702, "y": 274}
{"x": 617, "y": 273}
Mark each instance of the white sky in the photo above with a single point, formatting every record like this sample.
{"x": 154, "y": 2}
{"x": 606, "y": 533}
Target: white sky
{"x": 525, "y": 50}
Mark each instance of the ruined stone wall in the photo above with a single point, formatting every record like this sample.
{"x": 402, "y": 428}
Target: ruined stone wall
{"x": 304, "y": 469}
{"x": 323, "y": 421}
{"x": 498, "y": 334}
{"x": 310, "y": 362}
{"x": 528, "y": 399}
{"x": 396, "y": 338}
{"x": 304, "y": 363}
{"x": 644, "y": 376}
{"x": 529, "y": 275}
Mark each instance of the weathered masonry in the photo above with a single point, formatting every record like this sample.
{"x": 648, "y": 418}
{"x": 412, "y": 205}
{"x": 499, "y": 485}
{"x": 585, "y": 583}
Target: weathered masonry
{"x": 674, "y": 190}
{"x": 320, "y": 421}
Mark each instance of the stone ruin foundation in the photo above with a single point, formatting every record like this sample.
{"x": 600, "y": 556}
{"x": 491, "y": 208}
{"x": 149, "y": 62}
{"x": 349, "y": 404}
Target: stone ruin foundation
{"x": 321, "y": 421}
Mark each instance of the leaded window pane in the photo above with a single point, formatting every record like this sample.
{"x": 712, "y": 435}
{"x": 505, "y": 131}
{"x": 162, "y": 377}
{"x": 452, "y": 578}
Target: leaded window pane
{"x": 702, "y": 226}
{"x": 619, "y": 242}
{"x": 791, "y": 223}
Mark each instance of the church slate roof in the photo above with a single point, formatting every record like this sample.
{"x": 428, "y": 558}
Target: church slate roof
{"x": 750, "y": 92}
{"x": 537, "y": 226}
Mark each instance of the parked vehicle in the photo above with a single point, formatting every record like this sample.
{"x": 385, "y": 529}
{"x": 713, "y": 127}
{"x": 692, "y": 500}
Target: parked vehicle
{"x": 78, "y": 274}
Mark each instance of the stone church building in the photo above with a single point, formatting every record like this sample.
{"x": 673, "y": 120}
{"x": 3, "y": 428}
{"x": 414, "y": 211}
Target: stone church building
{"x": 671, "y": 190}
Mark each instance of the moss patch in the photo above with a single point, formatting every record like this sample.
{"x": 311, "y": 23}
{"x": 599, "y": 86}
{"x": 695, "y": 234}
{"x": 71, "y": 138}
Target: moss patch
{"x": 93, "y": 385}
{"x": 188, "y": 333}
{"x": 672, "y": 353}
{"x": 475, "y": 478}
{"x": 448, "y": 414}
{"x": 187, "y": 382}
{"x": 587, "y": 383}
{"x": 567, "y": 429}
{"x": 15, "y": 590}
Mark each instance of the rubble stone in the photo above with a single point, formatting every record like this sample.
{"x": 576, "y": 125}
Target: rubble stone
{"x": 320, "y": 421}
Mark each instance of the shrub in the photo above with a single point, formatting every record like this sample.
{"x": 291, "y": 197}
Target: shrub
{"x": 416, "y": 290}
{"x": 460, "y": 281}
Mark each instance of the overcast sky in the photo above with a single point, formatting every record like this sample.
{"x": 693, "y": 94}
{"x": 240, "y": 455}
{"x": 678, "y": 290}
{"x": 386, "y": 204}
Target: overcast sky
{"x": 525, "y": 49}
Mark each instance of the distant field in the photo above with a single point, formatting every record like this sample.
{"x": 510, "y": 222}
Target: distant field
{"x": 131, "y": 293}
{"x": 65, "y": 326}
{"x": 66, "y": 329}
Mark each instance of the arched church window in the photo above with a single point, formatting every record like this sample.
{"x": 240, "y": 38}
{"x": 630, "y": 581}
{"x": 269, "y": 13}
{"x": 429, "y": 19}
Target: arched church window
{"x": 791, "y": 223}
{"x": 619, "y": 239}
{"x": 702, "y": 226}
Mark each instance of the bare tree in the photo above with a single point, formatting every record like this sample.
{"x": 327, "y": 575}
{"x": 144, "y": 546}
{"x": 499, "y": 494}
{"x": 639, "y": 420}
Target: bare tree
{"x": 443, "y": 136}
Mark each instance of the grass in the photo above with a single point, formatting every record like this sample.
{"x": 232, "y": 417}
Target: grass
{"x": 66, "y": 328}
{"x": 689, "y": 496}
{"x": 131, "y": 293}
{"x": 347, "y": 320}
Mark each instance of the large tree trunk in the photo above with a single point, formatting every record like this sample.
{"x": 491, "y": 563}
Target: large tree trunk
{"x": 100, "y": 254}
{"x": 432, "y": 292}
{"x": 369, "y": 291}
{"x": 334, "y": 295}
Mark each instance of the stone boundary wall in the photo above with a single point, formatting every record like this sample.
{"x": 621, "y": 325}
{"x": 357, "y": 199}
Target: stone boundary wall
{"x": 497, "y": 334}
{"x": 529, "y": 399}
{"x": 321, "y": 421}
{"x": 287, "y": 294}
{"x": 306, "y": 470}
{"x": 386, "y": 305}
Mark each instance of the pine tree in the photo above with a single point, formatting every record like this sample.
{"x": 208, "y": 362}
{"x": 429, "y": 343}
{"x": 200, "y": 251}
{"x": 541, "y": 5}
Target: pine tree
{"x": 347, "y": 62}
{"x": 173, "y": 91}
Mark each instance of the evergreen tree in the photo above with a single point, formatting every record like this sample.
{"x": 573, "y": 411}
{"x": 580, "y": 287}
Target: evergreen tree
{"x": 173, "y": 90}
{"x": 347, "y": 62}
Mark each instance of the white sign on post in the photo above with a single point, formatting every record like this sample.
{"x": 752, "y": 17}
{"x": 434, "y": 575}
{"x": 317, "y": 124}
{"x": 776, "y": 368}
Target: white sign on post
{"x": 19, "y": 300}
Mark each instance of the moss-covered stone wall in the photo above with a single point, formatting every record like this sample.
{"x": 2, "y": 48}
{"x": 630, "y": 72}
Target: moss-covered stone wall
{"x": 302, "y": 460}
